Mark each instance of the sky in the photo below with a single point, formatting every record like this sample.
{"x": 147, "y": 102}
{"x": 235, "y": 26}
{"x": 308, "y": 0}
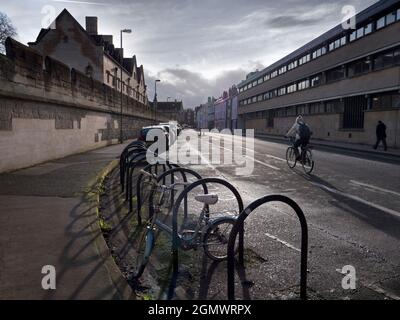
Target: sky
{"x": 197, "y": 48}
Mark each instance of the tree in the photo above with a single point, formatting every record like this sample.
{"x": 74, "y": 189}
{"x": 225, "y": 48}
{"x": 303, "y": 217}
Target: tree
{"x": 6, "y": 30}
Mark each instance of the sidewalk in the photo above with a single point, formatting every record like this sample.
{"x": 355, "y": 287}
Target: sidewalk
{"x": 46, "y": 218}
{"x": 339, "y": 145}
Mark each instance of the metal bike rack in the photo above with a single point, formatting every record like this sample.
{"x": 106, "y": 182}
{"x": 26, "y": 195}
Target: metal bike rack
{"x": 175, "y": 235}
{"x": 239, "y": 226}
{"x": 132, "y": 164}
{"x": 148, "y": 168}
{"x": 171, "y": 172}
{"x": 125, "y": 155}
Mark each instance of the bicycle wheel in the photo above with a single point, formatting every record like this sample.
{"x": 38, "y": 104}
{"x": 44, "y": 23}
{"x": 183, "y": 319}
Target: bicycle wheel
{"x": 215, "y": 241}
{"x": 291, "y": 157}
{"x": 307, "y": 161}
{"x": 144, "y": 249}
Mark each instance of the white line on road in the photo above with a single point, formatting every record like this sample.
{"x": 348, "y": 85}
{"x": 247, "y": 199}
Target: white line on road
{"x": 377, "y": 206}
{"x": 257, "y": 161}
{"x": 374, "y": 187}
{"x": 282, "y": 241}
{"x": 276, "y": 158}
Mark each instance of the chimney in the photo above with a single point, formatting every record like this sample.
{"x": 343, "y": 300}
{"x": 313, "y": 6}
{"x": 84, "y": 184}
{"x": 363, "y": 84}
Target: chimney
{"x": 91, "y": 25}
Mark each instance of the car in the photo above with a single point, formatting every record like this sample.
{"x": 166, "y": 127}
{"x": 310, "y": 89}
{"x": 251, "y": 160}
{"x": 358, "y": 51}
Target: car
{"x": 144, "y": 134}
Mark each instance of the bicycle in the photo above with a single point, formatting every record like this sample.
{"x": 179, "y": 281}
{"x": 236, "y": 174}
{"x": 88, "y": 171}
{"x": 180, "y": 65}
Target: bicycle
{"x": 306, "y": 157}
{"x": 210, "y": 234}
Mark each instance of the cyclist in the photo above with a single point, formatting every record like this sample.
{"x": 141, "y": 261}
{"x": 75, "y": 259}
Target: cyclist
{"x": 302, "y": 134}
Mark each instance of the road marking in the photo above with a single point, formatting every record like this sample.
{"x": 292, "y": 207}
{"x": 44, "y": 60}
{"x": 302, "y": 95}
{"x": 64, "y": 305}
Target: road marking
{"x": 375, "y": 187}
{"x": 377, "y": 206}
{"x": 257, "y": 161}
{"x": 376, "y": 288}
{"x": 287, "y": 244}
{"x": 276, "y": 158}
{"x": 263, "y": 163}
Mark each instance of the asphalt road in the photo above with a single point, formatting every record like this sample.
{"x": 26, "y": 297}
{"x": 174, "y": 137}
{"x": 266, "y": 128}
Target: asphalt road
{"x": 352, "y": 206}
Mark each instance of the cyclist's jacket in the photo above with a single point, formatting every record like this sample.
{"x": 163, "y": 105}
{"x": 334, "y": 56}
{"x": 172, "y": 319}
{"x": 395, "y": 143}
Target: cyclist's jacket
{"x": 297, "y": 132}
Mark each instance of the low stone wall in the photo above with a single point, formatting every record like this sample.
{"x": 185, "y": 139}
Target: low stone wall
{"x": 48, "y": 111}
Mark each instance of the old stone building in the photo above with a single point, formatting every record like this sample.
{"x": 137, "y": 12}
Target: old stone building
{"x": 92, "y": 54}
{"x": 171, "y": 110}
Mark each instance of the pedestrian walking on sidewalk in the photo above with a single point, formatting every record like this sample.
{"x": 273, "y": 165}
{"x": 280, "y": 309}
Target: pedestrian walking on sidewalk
{"x": 380, "y": 135}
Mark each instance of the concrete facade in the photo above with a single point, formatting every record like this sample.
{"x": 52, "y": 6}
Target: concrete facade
{"x": 343, "y": 82}
{"x": 51, "y": 112}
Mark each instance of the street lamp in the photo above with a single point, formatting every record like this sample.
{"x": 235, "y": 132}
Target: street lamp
{"x": 168, "y": 98}
{"x": 121, "y": 139}
{"x": 155, "y": 99}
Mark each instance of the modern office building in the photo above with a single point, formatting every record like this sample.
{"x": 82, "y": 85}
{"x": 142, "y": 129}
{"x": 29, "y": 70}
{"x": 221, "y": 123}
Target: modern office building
{"x": 342, "y": 82}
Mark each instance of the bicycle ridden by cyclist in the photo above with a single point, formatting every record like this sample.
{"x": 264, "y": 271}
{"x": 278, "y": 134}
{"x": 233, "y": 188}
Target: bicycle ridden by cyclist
{"x": 302, "y": 134}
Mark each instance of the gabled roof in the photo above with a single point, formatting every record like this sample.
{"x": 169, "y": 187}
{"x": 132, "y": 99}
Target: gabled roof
{"x": 98, "y": 40}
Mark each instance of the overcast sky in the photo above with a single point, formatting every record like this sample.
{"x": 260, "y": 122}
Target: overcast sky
{"x": 197, "y": 48}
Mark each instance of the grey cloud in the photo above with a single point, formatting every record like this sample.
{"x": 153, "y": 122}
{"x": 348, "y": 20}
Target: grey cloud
{"x": 290, "y": 22}
{"x": 192, "y": 87}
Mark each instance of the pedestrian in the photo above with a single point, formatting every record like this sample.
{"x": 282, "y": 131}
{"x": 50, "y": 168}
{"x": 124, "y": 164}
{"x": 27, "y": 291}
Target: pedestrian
{"x": 380, "y": 135}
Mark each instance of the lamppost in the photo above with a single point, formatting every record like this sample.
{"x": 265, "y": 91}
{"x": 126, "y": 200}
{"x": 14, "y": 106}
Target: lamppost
{"x": 168, "y": 98}
{"x": 155, "y": 99}
{"x": 121, "y": 139}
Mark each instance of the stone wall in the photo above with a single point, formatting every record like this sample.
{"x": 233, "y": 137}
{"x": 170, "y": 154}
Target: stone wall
{"x": 48, "y": 110}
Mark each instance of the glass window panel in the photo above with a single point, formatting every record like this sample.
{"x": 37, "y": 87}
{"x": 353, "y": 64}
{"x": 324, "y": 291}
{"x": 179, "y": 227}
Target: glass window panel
{"x": 390, "y": 18}
{"x": 368, "y": 29}
{"x": 388, "y": 59}
{"x": 353, "y": 36}
{"x": 398, "y": 14}
{"x": 343, "y": 41}
{"x": 360, "y": 33}
{"x": 380, "y": 23}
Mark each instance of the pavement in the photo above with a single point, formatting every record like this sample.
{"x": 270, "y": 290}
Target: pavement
{"x": 48, "y": 218}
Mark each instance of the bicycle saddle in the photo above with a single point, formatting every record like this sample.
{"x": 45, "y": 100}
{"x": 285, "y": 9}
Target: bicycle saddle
{"x": 210, "y": 198}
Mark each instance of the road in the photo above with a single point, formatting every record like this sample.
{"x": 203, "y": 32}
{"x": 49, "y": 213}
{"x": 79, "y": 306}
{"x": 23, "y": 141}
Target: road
{"x": 352, "y": 206}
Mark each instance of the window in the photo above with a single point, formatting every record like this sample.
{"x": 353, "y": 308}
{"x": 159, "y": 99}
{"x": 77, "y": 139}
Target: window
{"x": 338, "y": 43}
{"x": 292, "y": 65}
{"x": 359, "y": 67}
{"x": 360, "y": 33}
{"x": 391, "y": 18}
{"x": 302, "y": 109}
{"x": 316, "y": 108}
{"x": 303, "y": 85}
{"x": 260, "y": 98}
{"x": 250, "y": 85}
{"x": 380, "y": 23}
{"x": 282, "y": 91}
{"x": 291, "y": 111}
{"x": 292, "y": 88}
{"x": 335, "y": 74}
{"x": 267, "y": 96}
{"x": 259, "y": 81}
{"x": 398, "y": 14}
{"x": 368, "y": 29}
{"x": 353, "y": 36}
{"x": 266, "y": 77}
{"x": 282, "y": 70}
{"x": 274, "y": 74}
{"x": 315, "y": 81}
{"x": 396, "y": 56}
{"x": 386, "y": 59}
{"x": 254, "y": 83}
{"x": 254, "y": 99}
{"x": 270, "y": 118}
{"x": 334, "y": 106}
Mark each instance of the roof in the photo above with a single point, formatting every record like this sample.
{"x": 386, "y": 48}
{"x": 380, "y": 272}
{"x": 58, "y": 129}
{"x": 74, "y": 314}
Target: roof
{"x": 128, "y": 64}
{"x": 361, "y": 18}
